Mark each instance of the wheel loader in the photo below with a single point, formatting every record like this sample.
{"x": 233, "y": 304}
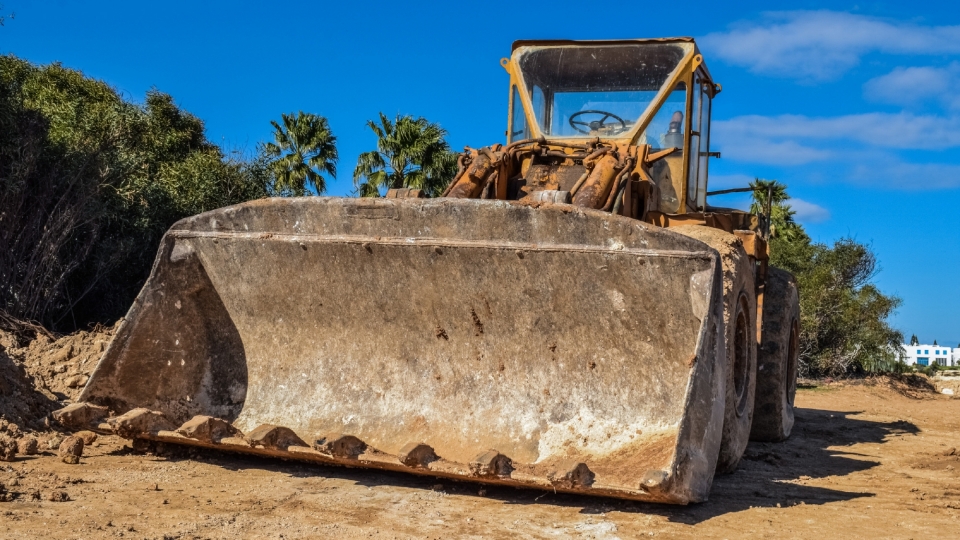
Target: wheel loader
{"x": 572, "y": 314}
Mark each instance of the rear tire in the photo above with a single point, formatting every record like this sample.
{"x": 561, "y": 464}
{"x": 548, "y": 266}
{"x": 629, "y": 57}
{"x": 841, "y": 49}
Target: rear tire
{"x": 777, "y": 358}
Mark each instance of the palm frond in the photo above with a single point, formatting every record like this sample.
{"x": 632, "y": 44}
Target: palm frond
{"x": 305, "y": 148}
{"x": 410, "y": 152}
{"x": 367, "y": 190}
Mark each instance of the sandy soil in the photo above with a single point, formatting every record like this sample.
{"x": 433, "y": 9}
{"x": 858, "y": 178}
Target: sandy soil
{"x": 40, "y": 375}
{"x": 865, "y": 461}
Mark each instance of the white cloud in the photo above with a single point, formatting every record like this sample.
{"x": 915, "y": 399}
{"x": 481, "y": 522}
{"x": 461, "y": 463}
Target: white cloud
{"x": 863, "y": 149}
{"x": 751, "y": 148}
{"x": 909, "y": 86}
{"x": 808, "y": 211}
{"x": 763, "y": 139}
{"x": 888, "y": 171}
{"x": 872, "y": 168}
{"x": 823, "y": 44}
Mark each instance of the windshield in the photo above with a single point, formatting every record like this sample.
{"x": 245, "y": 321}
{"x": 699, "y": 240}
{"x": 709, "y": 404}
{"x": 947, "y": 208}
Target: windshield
{"x": 591, "y": 91}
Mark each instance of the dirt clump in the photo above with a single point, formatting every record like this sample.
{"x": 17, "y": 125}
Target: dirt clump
{"x": 28, "y": 445}
{"x": 71, "y": 449}
{"x": 8, "y": 448}
{"x": 88, "y": 437}
{"x": 53, "y": 442}
{"x": 58, "y": 496}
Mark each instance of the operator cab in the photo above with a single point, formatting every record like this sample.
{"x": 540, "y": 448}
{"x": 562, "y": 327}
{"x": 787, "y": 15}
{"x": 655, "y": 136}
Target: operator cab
{"x": 625, "y": 92}
{"x": 596, "y": 91}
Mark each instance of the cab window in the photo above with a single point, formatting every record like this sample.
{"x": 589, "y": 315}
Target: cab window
{"x": 518, "y": 122}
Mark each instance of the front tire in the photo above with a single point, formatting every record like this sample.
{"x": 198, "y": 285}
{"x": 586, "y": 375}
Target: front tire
{"x": 740, "y": 319}
{"x": 740, "y": 327}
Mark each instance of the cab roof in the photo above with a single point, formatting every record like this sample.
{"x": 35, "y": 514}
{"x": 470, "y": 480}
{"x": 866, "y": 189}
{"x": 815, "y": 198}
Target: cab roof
{"x": 558, "y": 42}
{"x": 590, "y": 42}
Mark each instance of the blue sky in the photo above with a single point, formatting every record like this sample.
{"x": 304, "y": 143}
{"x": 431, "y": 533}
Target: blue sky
{"x": 855, "y": 106}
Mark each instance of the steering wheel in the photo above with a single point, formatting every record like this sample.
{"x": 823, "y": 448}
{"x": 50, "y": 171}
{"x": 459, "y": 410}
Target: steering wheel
{"x": 596, "y": 125}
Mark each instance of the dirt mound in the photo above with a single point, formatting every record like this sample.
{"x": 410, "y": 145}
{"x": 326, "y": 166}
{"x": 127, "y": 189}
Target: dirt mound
{"x": 42, "y": 375}
{"x": 911, "y": 385}
{"x": 948, "y": 383}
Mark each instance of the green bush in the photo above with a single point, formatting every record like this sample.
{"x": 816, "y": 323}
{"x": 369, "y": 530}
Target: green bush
{"x": 843, "y": 315}
{"x": 89, "y": 182}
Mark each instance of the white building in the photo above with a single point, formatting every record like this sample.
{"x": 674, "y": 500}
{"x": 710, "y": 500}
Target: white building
{"x": 927, "y": 355}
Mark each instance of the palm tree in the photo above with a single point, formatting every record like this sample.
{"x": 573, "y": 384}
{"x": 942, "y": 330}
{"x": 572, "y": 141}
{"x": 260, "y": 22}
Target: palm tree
{"x": 760, "y": 187}
{"x": 305, "y": 148}
{"x": 411, "y": 153}
{"x": 782, "y": 224}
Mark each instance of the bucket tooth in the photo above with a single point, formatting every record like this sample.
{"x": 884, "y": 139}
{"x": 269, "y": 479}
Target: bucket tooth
{"x": 208, "y": 429}
{"x": 572, "y": 475}
{"x": 138, "y": 422}
{"x": 491, "y": 464}
{"x": 655, "y": 481}
{"x": 340, "y": 445}
{"x": 79, "y": 416}
{"x": 417, "y": 455}
{"x": 274, "y": 437}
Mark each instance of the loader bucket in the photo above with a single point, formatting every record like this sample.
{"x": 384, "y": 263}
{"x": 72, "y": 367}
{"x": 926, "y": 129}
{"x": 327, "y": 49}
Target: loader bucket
{"x": 542, "y": 346}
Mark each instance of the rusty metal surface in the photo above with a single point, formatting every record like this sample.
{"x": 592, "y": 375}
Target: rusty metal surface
{"x": 597, "y": 175}
{"x": 578, "y": 346}
{"x": 405, "y": 193}
{"x": 725, "y": 220}
{"x": 478, "y": 169}
{"x": 753, "y": 244}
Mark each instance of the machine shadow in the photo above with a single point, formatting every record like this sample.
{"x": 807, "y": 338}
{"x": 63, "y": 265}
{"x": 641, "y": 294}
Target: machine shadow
{"x": 770, "y": 474}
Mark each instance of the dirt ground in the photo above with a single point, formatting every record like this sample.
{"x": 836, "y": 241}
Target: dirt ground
{"x": 865, "y": 461}
{"x": 40, "y": 375}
